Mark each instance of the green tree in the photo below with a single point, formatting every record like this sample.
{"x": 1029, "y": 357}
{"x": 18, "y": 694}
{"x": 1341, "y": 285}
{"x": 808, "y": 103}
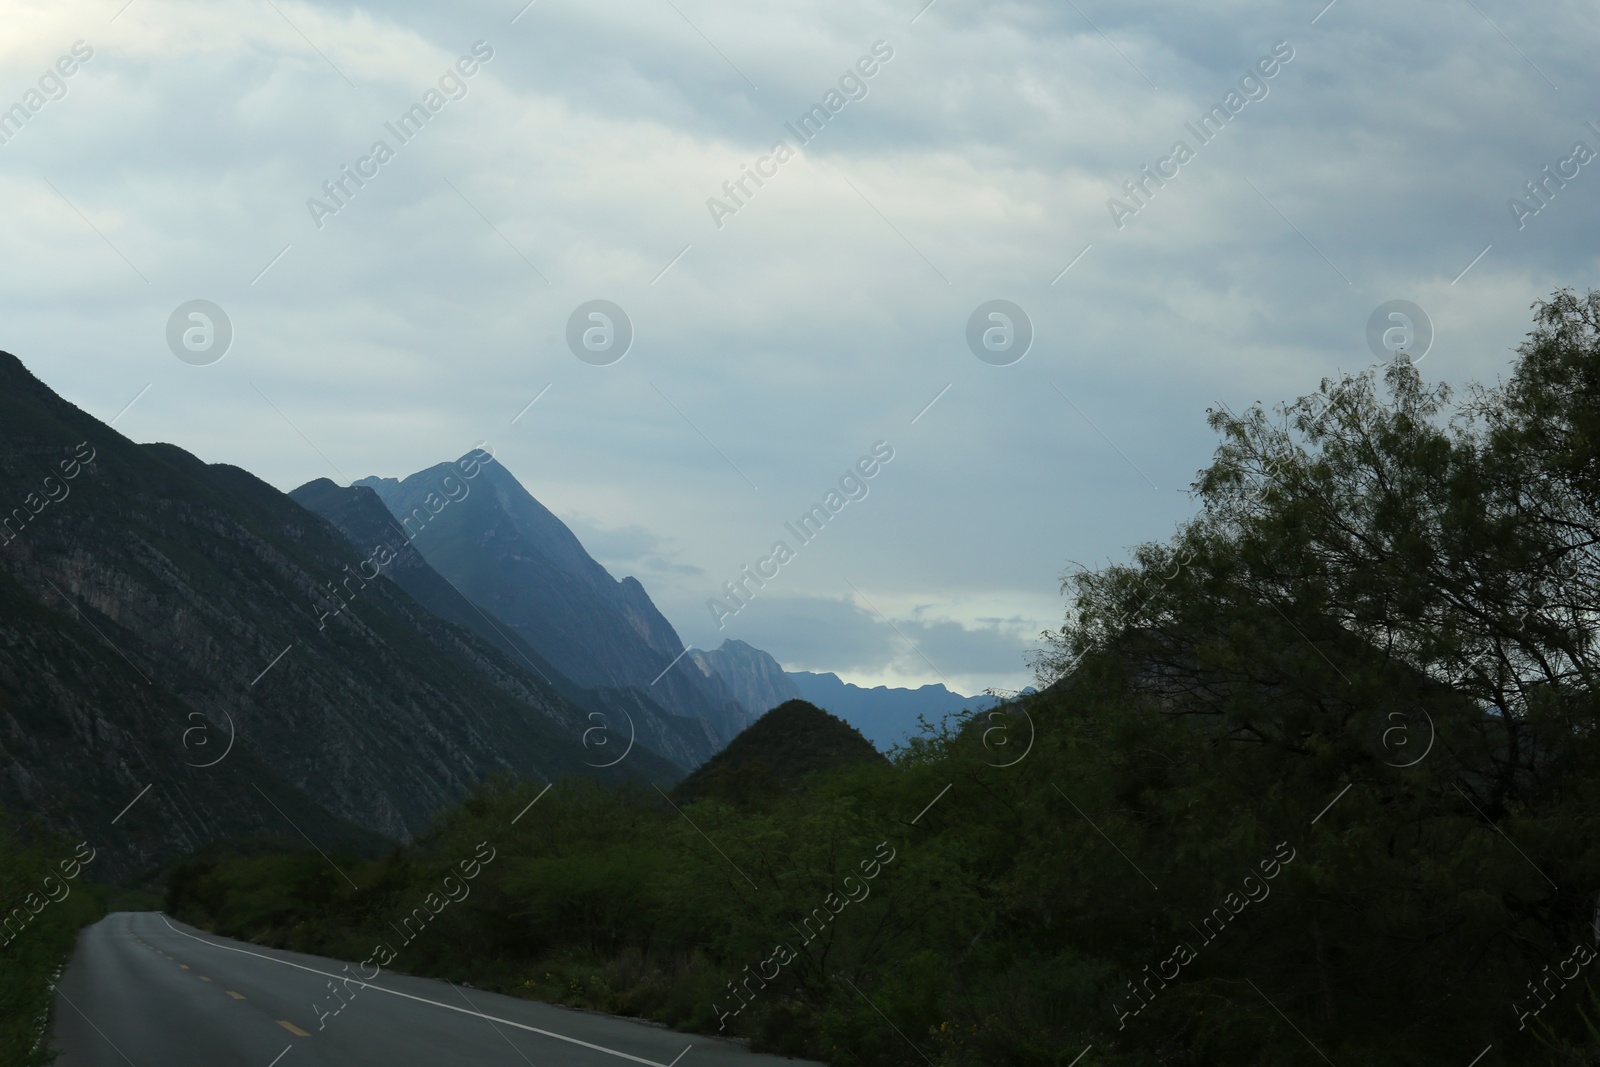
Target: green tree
{"x": 1384, "y": 592}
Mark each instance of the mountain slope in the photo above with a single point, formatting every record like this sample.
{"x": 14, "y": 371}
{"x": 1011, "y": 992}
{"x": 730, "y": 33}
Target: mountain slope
{"x": 507, "y": 553}
{"x": 221, "y": 591}
{"x": 361, "y": 516}
{"x": 777, "y": 753}
{"x": 751, "y": 675}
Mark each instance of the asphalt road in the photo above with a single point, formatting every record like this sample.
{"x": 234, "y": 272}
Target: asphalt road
{"x": 145, "y": 991}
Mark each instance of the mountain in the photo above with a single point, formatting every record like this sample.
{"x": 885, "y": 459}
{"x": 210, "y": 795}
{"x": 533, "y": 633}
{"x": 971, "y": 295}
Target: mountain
{"x": 886, "y": 716}
{"x": 751, "y": 675}
{"x": 362, "y": 517}
{"x": 777, "y": 753}
{"x": 511, "y": 556}
{"x": 150, "y": 595}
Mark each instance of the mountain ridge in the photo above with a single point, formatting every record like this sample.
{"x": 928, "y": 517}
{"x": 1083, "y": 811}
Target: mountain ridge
{"x": 362, "y": 516}
{"x": 508, "y": 553}
{"x": 214, "y": 588}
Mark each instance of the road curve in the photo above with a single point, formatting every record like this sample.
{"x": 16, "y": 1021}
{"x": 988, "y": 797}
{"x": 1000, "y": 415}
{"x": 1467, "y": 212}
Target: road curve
{"x": 145, "y": 991}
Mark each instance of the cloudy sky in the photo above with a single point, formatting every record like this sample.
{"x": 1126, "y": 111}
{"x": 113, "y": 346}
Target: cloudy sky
{"x": 779, "y": 335}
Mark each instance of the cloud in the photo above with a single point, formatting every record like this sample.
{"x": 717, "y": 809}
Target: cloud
{"x": 661, "y": 566}
{"x": 622, "y": 546}
{"x": 835, "y": 635}
{"x": 831, "y": 309}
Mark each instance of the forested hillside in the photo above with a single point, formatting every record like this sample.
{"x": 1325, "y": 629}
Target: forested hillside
{"x": 777, "y": 753}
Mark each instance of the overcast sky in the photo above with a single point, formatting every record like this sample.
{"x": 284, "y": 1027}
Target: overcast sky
{"x": 779, "y": 336}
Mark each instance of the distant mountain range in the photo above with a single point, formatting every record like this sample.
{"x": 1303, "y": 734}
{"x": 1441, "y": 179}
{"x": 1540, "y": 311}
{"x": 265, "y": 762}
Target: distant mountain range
{"x": 887, "y": 717}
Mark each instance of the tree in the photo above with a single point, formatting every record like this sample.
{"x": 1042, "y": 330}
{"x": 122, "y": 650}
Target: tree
{"x": 1393, "y": 593}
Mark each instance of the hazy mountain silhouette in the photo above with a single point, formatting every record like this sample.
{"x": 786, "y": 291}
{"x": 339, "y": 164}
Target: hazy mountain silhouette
{"x": 360, "y": 514}
{"x": 753, "y": 676}
{"x": 886, "y": 716}
{"x": 510, "y": 555}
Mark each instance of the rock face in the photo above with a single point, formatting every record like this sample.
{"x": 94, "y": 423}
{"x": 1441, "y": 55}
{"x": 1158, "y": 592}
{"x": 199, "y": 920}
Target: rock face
{"x": 754, "y": 677}
{"x": 507, "y": 553}
{"x": 83, "y": 734}
{"x": 145, "y": 588}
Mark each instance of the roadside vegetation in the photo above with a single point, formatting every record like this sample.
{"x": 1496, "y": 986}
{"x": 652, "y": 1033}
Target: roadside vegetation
{"x": 48, "y": 898}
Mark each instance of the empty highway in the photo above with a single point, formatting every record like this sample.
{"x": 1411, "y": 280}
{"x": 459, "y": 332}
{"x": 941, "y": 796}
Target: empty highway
{"x": 147, "y": 991}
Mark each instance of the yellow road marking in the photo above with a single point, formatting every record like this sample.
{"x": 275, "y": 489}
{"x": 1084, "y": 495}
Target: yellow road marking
{"x": 185, "y": 966}
{"x": 235, "y": 996}
{"x": 292, "y": 1028}
{"x": 203, "y": 978}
